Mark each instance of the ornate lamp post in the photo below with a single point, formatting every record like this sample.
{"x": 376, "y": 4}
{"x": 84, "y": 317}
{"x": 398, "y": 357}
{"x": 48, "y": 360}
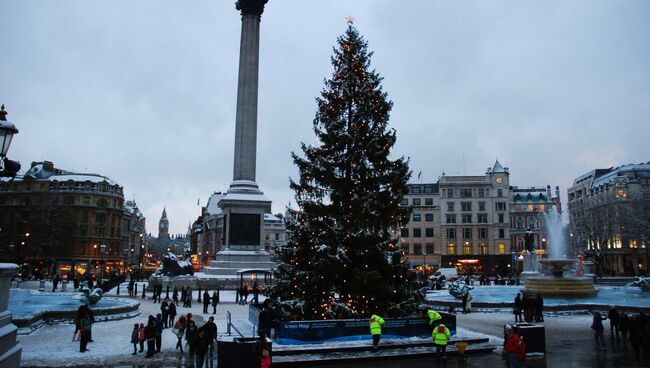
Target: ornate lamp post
{"x": 8, "y": 168}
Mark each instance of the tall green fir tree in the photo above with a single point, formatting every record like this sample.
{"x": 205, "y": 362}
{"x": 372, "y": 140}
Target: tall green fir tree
{"x": 343, "y": 259}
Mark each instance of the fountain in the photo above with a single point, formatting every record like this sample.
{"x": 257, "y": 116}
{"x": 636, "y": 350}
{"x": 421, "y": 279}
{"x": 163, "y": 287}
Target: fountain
{"x": 555, "y": 282}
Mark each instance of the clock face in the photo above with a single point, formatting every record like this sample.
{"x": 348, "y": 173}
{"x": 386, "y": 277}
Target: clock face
{"x": 499, "y": 180}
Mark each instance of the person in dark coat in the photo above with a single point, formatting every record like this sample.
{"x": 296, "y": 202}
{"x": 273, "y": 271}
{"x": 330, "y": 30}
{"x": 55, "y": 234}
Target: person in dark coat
{"x": 55, "y": 281}
{"x": 215, "y": 300}
{"x": 210, "y": 331}
{"x": 613, "y": 321}
{"x": 597, "y": 326}
{"x": 206, "y": 301}
{"x": 190, "y": 333}
{"x": 188, "y": 297}
{"x": 135, "y": 339}
{"x": 519, "y": 305}
{"x": 184, "y": 296}
{"x": 172, "y": 314}
{"x": 265, "y": 319}
{"x": 85, "y": 326}
{"x": 245, "y": 293}
{"x": 623, "y": 325}
{"x": 199, "y": 347}
{"x": 164, "y": 310}
{"x": 256, "y": 293}
{"x": 636, "y": 335}
{"x": 159, "y": 330}
{"x": 464, "y": 301}
{"x": 175, "y": 295}
{"x": 150, "y": 336}
{"x": 539, "y": 307}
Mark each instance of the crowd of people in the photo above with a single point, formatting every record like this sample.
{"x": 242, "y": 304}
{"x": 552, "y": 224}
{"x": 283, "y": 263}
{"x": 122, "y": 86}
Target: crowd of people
{"x": 528, "y": 308}
{"x": 623, "y": 328}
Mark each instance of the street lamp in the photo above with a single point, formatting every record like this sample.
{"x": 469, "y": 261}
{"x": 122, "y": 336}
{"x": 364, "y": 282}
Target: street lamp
{"x": 7, "y": 130}
{"x": 424, "y": 264}
{"x": 101, "y": 271}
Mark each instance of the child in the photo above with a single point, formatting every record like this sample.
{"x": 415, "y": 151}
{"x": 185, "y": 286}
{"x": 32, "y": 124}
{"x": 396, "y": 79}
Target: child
{"x": 135, "y": 338}
{"x": 266, "y": 359}
{"x": 141, "y": 337}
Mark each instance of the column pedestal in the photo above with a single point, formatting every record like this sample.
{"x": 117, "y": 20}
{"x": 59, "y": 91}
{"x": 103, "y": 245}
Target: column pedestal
{"x": 10, "y": 349}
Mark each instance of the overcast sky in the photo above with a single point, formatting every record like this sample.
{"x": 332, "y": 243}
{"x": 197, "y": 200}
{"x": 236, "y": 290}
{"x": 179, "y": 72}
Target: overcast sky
{"x": 144, "y": 92}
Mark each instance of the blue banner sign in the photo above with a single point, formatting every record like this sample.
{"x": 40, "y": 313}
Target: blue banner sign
{"x": 322, "y": 331}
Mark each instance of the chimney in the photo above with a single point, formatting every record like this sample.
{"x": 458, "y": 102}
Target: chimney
{"x": 557, "y": 191}
{"x": 548, "y": 191}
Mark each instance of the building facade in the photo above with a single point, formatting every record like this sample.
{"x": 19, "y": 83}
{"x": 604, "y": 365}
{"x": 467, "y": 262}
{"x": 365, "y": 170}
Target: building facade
{"x": 467, "y": 222}
{"x": 52, "y": 219}
{"x": 609, "y": 212}
{"x": 133, "y": 234}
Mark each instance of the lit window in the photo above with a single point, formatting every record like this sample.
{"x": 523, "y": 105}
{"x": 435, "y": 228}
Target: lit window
{"x": 502, "y": 248}
{"x": 484, "y": 248}
{"x": 451, "y": 248}
{"x": 467, "y": 249}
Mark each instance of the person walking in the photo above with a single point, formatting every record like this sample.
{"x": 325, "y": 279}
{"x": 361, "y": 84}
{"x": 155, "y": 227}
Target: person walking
{"x": 215, "y": 300}
{"x": 190, "y": 333}
{"x": 179, "y": 331}
{"x": 188, "y": 297}
{"x": 265, "y": 319}
{"x": 375, "y": 329}
{"x": 85, "y": 326}
{"x": 175, "y": 295}
{"x": 519, "y": 305}
{"x": 172, "y": 313}
{"x": 245, "y": 293}
{"x": 597, "y": 326}
{"x": 256, "y": 293}
{"x": 184, "y": 296}
{"x": 199, "y": 346}
{"x": 159, "y": 330}
{"x": 210, "y": 331}
{"x": 55, "y": 281}
{"x": 135, "y": 338}
{"x": 440, "y": 336}
{"x": 469, "y": 302}
{"x": 129, "y": 287}
{"x": 164, "y": 310}
{"x": 464, "y": 302}
{"x": 206, "y": 301}
{"x": 614, "y": 320}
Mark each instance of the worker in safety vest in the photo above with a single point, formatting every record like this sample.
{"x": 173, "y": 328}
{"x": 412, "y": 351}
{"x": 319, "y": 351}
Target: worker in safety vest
{"x": 375, "y": 329}
{"x": 433, "y": 316}
{"x": 440, "y": 337}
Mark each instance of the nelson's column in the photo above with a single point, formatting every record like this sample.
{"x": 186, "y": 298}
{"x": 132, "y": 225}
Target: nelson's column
{"x": 244, "y": 204}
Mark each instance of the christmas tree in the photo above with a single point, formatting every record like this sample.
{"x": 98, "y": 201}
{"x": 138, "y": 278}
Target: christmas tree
{"x": 343, "y": 259}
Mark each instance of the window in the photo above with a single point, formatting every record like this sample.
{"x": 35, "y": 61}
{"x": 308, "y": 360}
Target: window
{"x": 69, "y": 200}
{"x": 467, "y": 248}
{"x": 417, "y": 232}
{"x": 430, "y": 248}
{"x": 484, "y": 249}
{"x": 482, "y": 218}
{"x": 417, "y": 217}
{"x": 481, "y": 192}
{"x": 428, "y": 232}
{"x": 451, "y": 219}
{"x": 502, "y": 248}
{"x": 501, "y": 206}
{"x": 450, "y": 206}
{"x": 542, "y": 207}
{"x": 428, "y": 201}
{"x": 501, "y": 218}
{"x": 405, "y": 202}
{"x": 467, "y": 219}
{"x": 499, "y": 192}
{"x": 482, "y": 233}
{"x": 450, "y": 193}
{"x": 481, "y": 206}
{"x": 531, "y": 208}
{"x": 451, "y": 248}
{"x": 465, "y": 206}
{"x": 428, "y": 217}
{"x": 451, "y": 233}
{"x": 416, "y": 201}
{"x": 487, "y": 192}
{"x": 502, "y": 233}
{"x": 467, "y": 233}
{"x": 416, "y": 190}
{"x": 417, "y": 249}
{"x": 86, "y": 200}
{"x": 405, "y": 232}
{"x": 466, "y": 193}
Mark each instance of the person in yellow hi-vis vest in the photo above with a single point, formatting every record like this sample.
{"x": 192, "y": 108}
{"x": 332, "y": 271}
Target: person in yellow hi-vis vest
{"x": 433, "y": 316}
{"x": 440, "y": 337}
{"x": 375, "y": 329}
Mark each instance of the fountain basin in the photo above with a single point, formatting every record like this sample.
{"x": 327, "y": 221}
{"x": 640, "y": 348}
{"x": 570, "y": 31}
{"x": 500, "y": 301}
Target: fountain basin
{"x": 573, "y": 286}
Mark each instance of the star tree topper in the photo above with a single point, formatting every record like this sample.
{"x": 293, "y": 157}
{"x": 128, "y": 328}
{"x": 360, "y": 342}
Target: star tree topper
{"x": 350, "y": 19}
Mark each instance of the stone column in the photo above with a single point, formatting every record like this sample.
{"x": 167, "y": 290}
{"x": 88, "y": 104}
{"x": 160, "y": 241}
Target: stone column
{"x": 246, "y": 118}
{"x": 10, "y": 350}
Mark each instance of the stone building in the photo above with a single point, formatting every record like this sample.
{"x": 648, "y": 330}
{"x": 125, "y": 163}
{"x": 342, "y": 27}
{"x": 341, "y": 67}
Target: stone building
{"x": 609, "y": 212}
{"x": 527, "y": 209}
{"x": 52, "y": 219}
{"x": 466, "y": 222}
{"x": 133, "y": 233}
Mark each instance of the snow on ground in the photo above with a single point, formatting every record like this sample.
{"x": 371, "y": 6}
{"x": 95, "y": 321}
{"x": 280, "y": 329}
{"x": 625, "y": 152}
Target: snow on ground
{"x": 51, "y": 345}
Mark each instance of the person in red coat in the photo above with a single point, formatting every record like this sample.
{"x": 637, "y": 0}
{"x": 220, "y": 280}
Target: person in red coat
{"x": 511, "y": 348}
